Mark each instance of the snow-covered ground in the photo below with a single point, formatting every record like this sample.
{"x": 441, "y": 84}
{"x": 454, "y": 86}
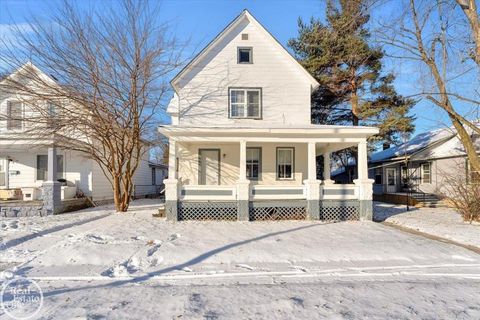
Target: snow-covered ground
{"x": 98, "y": 264}
{"x": 441, "y": 222}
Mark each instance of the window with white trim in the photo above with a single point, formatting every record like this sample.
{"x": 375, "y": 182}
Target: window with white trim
{"x": 254, "y": 158}
{"x": 42, "y": 167}
{"x": 426, "y": 172}
{"x": 245, "y": 103}
{"x": 285, "y": 162}
{"x": 14, "y": 115}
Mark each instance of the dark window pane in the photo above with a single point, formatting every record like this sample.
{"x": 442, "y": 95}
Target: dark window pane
{"x": 42, "y": 162}
{"x": 244, "y": 55}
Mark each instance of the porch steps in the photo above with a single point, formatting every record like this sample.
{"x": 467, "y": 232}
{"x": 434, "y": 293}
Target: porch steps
{"x": 428, "y": 200}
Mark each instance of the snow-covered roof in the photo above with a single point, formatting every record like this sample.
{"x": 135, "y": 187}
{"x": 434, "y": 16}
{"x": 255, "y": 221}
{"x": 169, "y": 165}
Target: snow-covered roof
{"x": 441, "y": 143}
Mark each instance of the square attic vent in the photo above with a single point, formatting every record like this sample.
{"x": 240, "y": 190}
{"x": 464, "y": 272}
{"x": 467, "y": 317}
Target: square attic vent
{"x": 244, "y": 36}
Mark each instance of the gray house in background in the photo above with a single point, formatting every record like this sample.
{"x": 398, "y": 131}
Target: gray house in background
{"x": 420, "y": 166}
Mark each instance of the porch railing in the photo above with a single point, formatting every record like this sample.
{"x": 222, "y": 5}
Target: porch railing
{"x": 208, "y": 192}
{"x": 339, "y": 192}
{"x": 267, "y": 192}
{"x": 277, "y": 192}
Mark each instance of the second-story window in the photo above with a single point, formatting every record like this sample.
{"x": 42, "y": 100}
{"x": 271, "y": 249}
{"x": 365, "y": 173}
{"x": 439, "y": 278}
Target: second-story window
{"x": 14, "y": 115}
{"x": 245, "y": 103}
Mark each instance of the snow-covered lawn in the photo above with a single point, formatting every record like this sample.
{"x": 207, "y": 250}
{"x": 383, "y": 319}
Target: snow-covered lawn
{"x": 98, "y": 264}
{"x": 441, "y": 222}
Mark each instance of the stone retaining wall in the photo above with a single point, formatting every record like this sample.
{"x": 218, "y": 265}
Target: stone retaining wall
{"x": 36, "y": 208}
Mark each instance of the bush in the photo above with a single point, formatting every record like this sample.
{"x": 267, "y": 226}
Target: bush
{"x": 464, "y": 196}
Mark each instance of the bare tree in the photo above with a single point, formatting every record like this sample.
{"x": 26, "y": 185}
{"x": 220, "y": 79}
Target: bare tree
{"x": 426, "y": 34}
{"x": 108, "y": 66}
{"x": 469, "y": 8}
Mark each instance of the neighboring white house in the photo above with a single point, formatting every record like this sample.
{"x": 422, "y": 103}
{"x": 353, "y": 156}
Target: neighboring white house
{"x": 421, "y": 165}
{"x": 242, "y": 145}
{"x": 24, "y": 161}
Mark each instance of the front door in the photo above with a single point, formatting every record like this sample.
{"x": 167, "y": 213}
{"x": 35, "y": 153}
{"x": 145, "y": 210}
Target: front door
{"x": 391, "y": 180}
{"x": 209, "y": 167}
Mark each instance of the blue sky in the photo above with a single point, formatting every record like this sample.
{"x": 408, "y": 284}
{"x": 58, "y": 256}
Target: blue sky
{"x": 198, "y": 21}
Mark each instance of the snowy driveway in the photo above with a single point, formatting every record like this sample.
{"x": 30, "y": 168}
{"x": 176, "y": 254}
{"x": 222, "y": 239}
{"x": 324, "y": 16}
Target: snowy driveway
{"x": 94, "y": 252}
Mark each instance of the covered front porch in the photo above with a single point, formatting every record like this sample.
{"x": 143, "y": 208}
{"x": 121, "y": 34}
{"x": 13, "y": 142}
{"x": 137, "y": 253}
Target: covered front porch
{"x": 29, "y": 177}
{"x": 264, "y": 174}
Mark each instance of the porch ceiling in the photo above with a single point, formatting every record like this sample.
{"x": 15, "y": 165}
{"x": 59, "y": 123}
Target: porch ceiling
{"x": 311, "y": 133}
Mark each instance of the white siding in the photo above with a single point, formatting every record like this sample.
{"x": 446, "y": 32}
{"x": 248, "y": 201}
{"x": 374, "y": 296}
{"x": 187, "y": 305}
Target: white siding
{"x": 77, "y": 169}
{"x": 285, "y": 88}
{"x": 102, "y": 189}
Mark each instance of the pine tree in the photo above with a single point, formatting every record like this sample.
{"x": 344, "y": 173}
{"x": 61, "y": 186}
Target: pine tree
{"x": 353, "y": 89}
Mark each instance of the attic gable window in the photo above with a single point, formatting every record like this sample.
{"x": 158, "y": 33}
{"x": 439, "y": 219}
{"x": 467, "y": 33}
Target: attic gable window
{"x": 245, "y": 103}
{"x": 245, "y": 55}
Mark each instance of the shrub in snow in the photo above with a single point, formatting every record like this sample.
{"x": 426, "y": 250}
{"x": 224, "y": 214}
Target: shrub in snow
{"x": 464, "y": 195}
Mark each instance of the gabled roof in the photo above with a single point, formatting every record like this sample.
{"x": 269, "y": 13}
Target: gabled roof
{"x": 440, "y": 143}
{"x": 244, "y": 15}
{"x": 24, "y": 68}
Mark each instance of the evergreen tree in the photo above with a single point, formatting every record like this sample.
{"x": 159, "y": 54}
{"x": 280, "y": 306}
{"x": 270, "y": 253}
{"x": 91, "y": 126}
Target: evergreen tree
{"x": 353, "y": 89}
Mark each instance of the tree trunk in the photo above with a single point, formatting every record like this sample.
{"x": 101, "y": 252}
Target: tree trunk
{"x": 355, "y": 107}
{"x": 469, "y": 8}
{"x": 117, "y": 192}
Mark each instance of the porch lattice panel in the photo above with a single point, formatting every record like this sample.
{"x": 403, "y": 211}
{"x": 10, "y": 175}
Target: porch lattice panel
{"x": 207, "y": 211}
{"x": 339, "y": 211}
{"x": 295, "y": 210}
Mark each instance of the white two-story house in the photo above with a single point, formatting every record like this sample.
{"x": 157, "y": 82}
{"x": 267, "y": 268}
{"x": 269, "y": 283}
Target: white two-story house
{"x": 25, "y": 157}
{"x": 242, "y": 146}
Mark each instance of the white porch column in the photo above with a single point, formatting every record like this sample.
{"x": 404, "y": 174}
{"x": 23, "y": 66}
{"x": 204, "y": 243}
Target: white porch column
{"x": 362, "y": 166}
{"x": 52, "y": 192}
{"x": 312, "y": 162}
{"x": 364, "y": 184}
{"x": 326, "y": 168}
{"x": 52, "y": 164}
{"x": 243, "y": 185}
{"x": 312, "y": 185}
{"x": 171, "y": 184}
{"x": 243, "y": 161}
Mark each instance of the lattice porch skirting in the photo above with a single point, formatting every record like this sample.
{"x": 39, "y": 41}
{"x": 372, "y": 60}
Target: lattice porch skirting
{"x": 278, "y": 210}
{"x": 339, "y": 210}
{"x": 207, "y": 210}
{"x": 330, "y": 210}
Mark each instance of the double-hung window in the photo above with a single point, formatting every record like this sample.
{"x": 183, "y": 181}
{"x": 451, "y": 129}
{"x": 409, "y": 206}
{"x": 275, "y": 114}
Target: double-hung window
{"x": 14, "y": 115}
{"x": 51, "y": 114}
{"x": 42, "y": 166}
{"x": 426, "y": 171}
{"x": 254, "y": 160}
{"x": 285, "y": 163}
{"x": 245, "y": 103}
